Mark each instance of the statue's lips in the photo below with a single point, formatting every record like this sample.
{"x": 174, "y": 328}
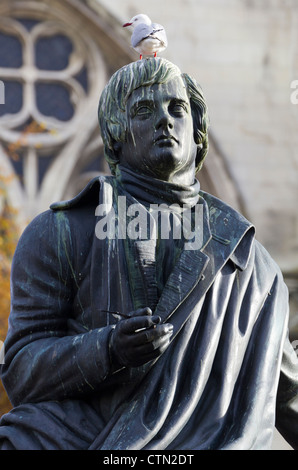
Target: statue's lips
{"x": 166, "y": 141}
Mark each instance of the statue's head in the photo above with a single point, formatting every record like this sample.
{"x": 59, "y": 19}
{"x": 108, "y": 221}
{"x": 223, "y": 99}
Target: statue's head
{"x": 114, "y": 115}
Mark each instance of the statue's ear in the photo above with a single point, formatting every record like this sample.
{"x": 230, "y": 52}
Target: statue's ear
{"x": 202, "y": 150}
{"x": 117, "y": 147}
{"x": 199, "y": 155}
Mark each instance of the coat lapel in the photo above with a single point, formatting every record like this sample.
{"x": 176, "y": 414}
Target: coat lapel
{"x": 225, "y": 230}
{"x": 188, "y": 270}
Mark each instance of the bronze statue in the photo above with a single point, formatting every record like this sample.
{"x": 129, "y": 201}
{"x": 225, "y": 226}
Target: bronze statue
{"x": 124, "y": 337}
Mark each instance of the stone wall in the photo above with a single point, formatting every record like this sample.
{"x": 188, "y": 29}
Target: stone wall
{"x": 245, "y": 55}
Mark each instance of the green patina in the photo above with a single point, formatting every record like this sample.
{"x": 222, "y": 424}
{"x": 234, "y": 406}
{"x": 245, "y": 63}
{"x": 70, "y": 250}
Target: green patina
{"x": 112, "y": 111}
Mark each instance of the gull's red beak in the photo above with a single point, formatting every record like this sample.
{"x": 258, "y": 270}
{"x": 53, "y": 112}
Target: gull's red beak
{"x": 127, "y": 24}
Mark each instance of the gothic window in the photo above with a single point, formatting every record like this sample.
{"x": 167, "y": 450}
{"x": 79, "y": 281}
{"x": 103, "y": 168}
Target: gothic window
{"x": 53, "y": 75}
{"x": 55, "y": 58}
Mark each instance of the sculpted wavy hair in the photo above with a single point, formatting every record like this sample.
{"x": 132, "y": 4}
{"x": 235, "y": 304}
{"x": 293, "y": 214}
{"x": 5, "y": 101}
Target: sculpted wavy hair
{"x": 112, "y": 105}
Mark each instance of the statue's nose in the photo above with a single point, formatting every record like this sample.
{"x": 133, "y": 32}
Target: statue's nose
{"x": 164, "y": 121}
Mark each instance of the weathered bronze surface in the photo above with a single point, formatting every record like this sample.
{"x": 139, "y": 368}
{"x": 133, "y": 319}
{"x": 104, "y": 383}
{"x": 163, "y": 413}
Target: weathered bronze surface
{"x": 123, "y": 338}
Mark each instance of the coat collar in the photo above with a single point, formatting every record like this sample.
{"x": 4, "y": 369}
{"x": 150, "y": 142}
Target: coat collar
{"x": 221, "y": 222}
{"x": 229, "y": 228}
{"x": 227, "y": 235}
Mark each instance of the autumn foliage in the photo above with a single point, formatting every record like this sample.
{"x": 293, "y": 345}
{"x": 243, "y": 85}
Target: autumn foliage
{"x": 8, "y": 240}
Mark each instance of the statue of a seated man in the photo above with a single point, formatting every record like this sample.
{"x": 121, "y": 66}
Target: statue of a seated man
{"x": 123, "y": 335}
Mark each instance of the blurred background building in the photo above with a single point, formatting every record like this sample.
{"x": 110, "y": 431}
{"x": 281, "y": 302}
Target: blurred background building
{"x": 56, "y": 56}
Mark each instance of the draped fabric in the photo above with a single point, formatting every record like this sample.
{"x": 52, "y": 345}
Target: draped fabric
{"x": 215, "y": 386}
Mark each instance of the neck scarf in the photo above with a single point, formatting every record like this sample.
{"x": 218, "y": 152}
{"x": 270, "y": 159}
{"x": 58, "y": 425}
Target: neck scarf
{"x": 148, "y": 190}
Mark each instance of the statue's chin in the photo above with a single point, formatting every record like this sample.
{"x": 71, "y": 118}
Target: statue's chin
{"x": 164, "y": 165}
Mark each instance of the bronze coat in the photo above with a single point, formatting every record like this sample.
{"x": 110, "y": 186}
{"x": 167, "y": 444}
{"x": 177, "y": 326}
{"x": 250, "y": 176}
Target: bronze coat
{"x": 216, "y": 385}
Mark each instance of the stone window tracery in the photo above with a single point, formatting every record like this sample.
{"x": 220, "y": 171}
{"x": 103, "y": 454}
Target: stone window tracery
{"x": 53, "y": 76}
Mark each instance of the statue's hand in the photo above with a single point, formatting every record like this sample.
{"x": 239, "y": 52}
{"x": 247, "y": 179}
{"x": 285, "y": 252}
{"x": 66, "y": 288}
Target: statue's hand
{"x": 139, "y": 339}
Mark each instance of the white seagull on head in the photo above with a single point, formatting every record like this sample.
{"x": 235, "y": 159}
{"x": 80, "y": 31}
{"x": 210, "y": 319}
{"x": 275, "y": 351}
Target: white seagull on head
{"x": 147, "y": 38}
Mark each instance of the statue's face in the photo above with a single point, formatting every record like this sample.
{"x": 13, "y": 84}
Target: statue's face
{"x": 160, "y": 137}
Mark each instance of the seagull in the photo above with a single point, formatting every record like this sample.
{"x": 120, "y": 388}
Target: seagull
{"x": 147, "y": 38}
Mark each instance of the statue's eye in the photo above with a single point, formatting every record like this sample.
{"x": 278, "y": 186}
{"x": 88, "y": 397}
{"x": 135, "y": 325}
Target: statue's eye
{"x": 178, "y": 108}
{"x": 143, "y": 111}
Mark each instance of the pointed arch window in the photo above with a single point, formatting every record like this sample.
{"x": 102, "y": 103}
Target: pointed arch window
{"x": 53, "y": 76}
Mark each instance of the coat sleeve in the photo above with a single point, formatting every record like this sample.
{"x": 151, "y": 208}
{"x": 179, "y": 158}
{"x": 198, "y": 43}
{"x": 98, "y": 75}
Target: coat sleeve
{"x": 42, "y": 361}
{"x": 287, "y": 396}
